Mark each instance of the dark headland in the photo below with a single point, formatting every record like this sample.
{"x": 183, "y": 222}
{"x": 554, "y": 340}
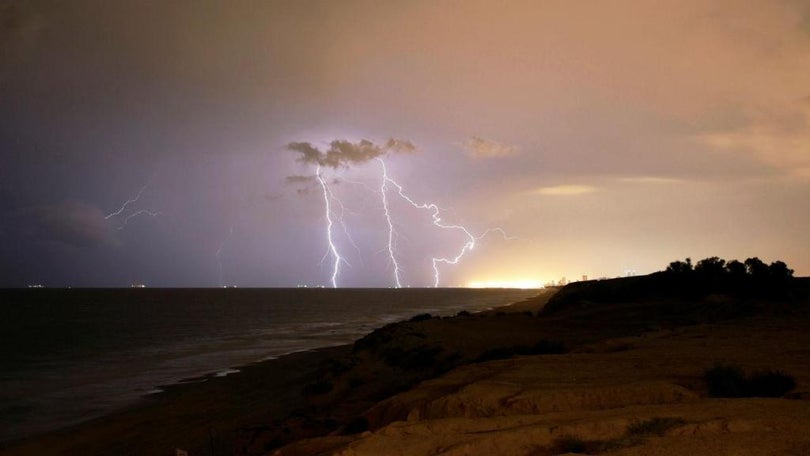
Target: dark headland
{"x": 705, "y": 359}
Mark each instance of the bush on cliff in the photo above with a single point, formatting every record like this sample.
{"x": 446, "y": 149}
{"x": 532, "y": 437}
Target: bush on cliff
{"x": 731, "y": 381}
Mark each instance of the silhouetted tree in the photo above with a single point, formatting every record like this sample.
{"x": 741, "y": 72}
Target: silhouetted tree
{"x": 710, "y": 274}
{"x": 779, "y": 275}
{"x": 680, "y": 267}
{"x": 713, "y": 266}
{"x": 736, "y": 269}
{"x": 756, "y": 268}
{"x": 778, "y": 270}
{"x": 736, "y": 276}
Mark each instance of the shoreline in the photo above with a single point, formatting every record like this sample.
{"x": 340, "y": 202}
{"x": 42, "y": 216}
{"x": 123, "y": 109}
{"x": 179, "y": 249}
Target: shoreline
{"x": 212, "y": 406}
{"x": 236, "y": 406}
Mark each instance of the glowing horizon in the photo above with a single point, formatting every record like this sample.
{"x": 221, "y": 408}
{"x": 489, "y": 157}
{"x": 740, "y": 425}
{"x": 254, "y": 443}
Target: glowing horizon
{"x": 524, "y": 284}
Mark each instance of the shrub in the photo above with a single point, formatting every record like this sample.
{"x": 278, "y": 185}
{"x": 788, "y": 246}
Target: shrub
{"x": 725, "y": 381}
{"x": 731, "y": 381}
{"x": 770, "y": 384}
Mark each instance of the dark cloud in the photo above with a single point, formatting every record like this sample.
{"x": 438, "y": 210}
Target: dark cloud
{"x": 309, "y": 154}
{"x": 20, "y": 25}
{"x": 70, "y": 223}
{"x": 343, "y": 153}
{"x": 402, "y": 146}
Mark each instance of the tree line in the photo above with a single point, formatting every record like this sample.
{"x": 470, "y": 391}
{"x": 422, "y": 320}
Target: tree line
{"x": 715, "y": 274}
{"x": 742, "y": 280}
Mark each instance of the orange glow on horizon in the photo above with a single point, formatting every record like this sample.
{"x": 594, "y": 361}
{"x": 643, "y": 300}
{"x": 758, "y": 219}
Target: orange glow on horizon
{"x": 518, "y": 283}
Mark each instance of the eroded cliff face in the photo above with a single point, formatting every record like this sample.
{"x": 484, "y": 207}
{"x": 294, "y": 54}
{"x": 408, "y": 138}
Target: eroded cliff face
{"x": 625, "y": 396}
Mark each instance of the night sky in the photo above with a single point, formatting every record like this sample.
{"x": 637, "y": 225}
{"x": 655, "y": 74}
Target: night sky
{"x": 602, "y": 137}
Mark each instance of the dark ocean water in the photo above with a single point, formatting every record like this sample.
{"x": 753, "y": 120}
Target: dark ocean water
{"x": 70, "y": 355}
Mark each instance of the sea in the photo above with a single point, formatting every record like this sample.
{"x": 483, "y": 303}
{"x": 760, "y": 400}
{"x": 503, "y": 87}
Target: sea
{"x": 70, "y": 355}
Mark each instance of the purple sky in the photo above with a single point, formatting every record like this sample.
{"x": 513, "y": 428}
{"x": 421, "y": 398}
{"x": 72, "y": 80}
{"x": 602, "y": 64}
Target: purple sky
{"x": 604, "y": 136}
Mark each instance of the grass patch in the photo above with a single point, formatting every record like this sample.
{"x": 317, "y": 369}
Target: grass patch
{"x": 726, "y": 380}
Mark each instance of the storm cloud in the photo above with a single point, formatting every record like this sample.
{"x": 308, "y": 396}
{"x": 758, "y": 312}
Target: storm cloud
{"x": 71, "y": 223}
{"x": 344, "y": 153}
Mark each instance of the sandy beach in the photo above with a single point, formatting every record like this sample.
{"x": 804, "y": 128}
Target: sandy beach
{"x": 192, "y": 416}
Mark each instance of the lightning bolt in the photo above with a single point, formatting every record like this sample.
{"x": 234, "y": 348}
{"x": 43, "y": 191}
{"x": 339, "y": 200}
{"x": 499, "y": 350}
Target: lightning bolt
{"x": 335, "y": 211}
{"x": 135, "y": 214}
{"x": 126, "y": 203}
{"x": 391, "y": 241}
{"x": 342, "y": 221}
{"x": 219, "y": 253}
{"x": 505, "y": 236}
{"x": 328, "y": 211}
{"x": 437, "y": 221}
